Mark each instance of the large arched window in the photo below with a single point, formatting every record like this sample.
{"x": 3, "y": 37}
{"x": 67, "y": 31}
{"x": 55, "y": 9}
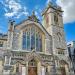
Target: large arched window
{"x": 24, "y": 40}
{"x": 32, "y": 39}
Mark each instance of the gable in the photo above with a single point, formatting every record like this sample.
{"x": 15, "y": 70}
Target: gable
{"x": 28, "y": 22}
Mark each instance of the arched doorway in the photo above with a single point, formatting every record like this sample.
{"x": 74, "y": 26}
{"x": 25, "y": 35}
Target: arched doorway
{"x": 63, "y": 67}
{"x": 63, "y": 72}
{"x": 32, "y": 67}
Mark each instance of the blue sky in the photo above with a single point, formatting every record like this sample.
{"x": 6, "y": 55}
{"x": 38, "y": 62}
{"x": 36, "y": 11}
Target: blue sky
{"x": 20, "y": 9}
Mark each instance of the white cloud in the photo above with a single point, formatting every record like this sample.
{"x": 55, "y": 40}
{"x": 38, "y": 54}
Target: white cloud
{"x": 10, "y": 14}
{"x": 13, "y": 8}
{"x": 68, "y": 7}
{"x": 25, "y": 11}
{"x": 14, "y": 5}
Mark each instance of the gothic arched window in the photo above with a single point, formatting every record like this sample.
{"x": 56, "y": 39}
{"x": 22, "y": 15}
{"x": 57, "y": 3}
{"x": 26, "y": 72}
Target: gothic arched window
{"x": 28, "y": 40}
{"x": 32, "y": 39}
{"x": 24, "y": 40}
{"x": 56, "y": 18}
{"x": 37, "y": 39}
{"x": 46, "y": 19}
{"x": 40, "y": 43}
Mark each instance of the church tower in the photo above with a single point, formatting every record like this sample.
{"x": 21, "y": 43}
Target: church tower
{"x": 53, "y": 23}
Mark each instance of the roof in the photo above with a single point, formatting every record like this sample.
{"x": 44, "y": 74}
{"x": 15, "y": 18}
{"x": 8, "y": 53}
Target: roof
{"x": 32, "y": 20}
{"x": 29, "y": 22}
{"x": 51, "y": 5}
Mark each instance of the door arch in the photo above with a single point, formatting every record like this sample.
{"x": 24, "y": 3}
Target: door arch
{"x": 32, "y": 67}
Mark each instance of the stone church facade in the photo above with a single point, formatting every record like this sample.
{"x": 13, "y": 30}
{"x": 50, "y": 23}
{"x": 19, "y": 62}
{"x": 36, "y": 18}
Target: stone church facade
{"x": 37, "y": 49}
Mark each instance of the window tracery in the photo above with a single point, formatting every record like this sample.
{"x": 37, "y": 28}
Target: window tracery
{"x": 24, "y": 40}
{"x": 32, "y": 39}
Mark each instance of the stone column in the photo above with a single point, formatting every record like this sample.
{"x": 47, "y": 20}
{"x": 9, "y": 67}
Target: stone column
{"x": 23, "y": 70}
{"x": 66, "y": 69}
{"x": 1, "y": 67}
{"x": 39, "y": 68}
{"x": 42, "y": 70}
{"x": 27, "y": 68}
{"x": 49, "y": 70}
{"x": 9, "y": 60}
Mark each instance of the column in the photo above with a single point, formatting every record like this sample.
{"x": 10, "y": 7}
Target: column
{"x": 43, "y": 70}
{"x": 27, "y": 68}
{"x": 9, "y": 60}
{"x": 49, "y": 70}
{"x": 66, "y": 70}
{"x": 39, "y": 68}
{"x": 23, "y": 70}
{"x": 1, "y": 67}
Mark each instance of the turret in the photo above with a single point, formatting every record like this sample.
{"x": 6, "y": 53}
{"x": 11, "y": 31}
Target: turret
{"x": 11, "y": 25}
{"x": 10, "y": 33}
{"x": 52, "y": 16}
{"x": 53, "y": 23}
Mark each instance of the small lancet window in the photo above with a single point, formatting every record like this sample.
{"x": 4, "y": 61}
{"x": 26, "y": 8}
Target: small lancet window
{"x": 59, "y": 36}
{"x": 56, "y": 18}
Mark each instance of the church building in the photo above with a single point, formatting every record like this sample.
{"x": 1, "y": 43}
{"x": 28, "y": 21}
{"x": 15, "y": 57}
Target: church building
{"x": 35, "y": 48}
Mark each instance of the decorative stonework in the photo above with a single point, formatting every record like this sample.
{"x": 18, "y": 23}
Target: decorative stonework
{"x": 33, "y": 17}
{"x": 53, "y": 42}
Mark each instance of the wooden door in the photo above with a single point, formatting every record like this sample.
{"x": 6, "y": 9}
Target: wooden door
{"x": 63, "y": 72}
{"x": 32, "y": 71}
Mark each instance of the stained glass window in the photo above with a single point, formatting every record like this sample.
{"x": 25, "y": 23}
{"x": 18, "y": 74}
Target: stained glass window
{"x": 37, "y": 42}
{"x": 40, "y": 43}
{"x": 28, "y": 40}
{"x": 24, "y": 40}
{"x": 32, "y": 39}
